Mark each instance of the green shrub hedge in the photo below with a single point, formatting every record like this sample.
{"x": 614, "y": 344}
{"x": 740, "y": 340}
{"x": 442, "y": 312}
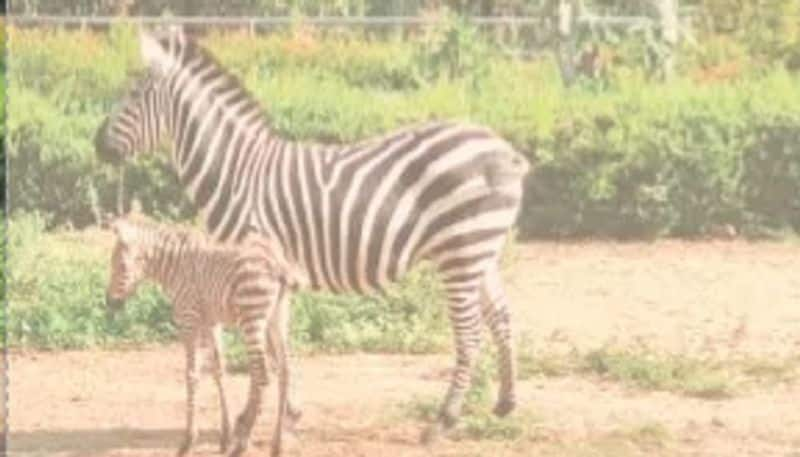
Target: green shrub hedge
{"x": 58, "y": 302}
{"x": 627, "y": 158}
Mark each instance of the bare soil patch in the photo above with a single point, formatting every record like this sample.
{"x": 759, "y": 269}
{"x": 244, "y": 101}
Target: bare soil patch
{"x": 721, "y": 300}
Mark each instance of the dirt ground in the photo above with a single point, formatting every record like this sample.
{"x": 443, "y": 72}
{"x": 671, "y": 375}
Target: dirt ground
{"x": 720, "y": 299}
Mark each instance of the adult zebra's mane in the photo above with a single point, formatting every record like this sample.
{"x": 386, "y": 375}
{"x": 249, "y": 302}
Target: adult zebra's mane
{"x": 192, "y": 55}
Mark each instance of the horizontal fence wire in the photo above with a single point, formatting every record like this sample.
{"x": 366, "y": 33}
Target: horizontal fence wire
{"x": 538, "y": 29}
{"x": 603, "y": 20}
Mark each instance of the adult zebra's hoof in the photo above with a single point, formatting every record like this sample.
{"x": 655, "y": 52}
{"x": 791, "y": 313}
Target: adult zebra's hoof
{"x": 504, "y": 407}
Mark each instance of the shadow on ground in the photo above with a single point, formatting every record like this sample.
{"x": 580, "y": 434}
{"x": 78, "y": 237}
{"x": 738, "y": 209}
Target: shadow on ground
{"x": 82, "y": 443}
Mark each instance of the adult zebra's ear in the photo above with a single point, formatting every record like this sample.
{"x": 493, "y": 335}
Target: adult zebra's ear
{"x": 122, "y": 229}
{"x": 159, "y": 51}
{"x": 106, "y": 221}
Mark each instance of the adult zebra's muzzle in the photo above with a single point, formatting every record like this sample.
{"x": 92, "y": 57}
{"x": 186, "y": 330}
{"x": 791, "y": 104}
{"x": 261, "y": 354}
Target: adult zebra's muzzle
{"x": 105, "y": 151}
{"x": 113, "y": 304}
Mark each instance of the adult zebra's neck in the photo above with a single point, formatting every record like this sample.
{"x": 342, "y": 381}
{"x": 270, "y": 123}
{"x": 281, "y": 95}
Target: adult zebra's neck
{"x": 220, "y": 136}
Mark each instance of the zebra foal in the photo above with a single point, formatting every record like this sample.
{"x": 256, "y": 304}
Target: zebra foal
{"x": 211, "y": 285}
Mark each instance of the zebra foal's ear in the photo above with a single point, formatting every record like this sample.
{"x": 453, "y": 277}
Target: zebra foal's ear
{"x": 122, "y": 229}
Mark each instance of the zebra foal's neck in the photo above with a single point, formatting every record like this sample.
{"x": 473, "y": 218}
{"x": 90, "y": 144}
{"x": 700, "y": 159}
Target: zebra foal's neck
{"x": 164, "y": 249}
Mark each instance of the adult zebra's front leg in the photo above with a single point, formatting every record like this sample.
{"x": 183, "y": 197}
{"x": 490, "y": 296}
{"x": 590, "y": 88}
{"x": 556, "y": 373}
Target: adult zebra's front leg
{"x": 465, "y": 318}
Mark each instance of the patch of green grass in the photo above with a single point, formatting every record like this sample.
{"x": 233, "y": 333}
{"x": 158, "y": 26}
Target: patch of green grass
{"x": 650, "y": 438}
{"x": 649, "y": 435}
{"x": 660, "y": 372}
{"x": 57, "y": 301}
{"x": 56, "y": 294}
{"x": 235, "y": 352}
{"x": 773, "y": 371}
{"x": 487, "y": 426}
{"x": 532, "y": 364}
{"x": 410, "y": 317}
{"x": 545, "y": 365}
{"x": 477, "y": 421}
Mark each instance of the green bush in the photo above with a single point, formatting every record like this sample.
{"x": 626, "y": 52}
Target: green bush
{"x": 3, "y": 283}
{"x": 57, "y": 300}
{"x": 631, "y": 158}
{"x": 770, "y": 29}
{"x": 410, "y": 317}
{"x": 677, "y": 162}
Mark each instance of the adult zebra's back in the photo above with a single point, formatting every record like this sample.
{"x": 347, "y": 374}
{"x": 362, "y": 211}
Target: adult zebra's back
{"x": 354, "y": 217}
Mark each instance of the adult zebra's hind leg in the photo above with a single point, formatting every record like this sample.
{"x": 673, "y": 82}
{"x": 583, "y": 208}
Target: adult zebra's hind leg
{"x": 465, "y": 318}
{"x": 497, "y": 317}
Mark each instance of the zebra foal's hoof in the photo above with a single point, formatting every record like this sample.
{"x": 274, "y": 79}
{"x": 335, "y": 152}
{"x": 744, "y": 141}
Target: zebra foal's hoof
{"x": 431, "y": 434}
{"x": 186, "y": 446}
{"x": 240, "y": 445}
{"x": 237, "y": 451}
{"x": 293, "y": 416}
{"x": 504, "y": 407}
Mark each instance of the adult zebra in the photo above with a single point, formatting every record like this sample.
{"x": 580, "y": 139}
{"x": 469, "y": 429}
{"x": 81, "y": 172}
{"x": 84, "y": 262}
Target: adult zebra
{"x": 353, "y": 217}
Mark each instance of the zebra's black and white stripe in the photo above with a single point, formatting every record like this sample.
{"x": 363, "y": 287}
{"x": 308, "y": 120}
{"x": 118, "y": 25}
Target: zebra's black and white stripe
{"x": 353, "y": 216}
{"x": 211, "y": 285}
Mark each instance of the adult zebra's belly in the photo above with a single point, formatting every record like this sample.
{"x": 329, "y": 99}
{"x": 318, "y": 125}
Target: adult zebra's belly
{"x": 376, "y": 245}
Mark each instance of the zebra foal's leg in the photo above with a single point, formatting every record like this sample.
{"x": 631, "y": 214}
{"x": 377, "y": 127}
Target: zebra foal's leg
{"x": 254, "y": 330}
{"x": 218, "y": 371}
{"x": 498, "y": 319}
{"x": 277, "y": 335}
{"x": 190, "y": 435}
{"x": 465, "y": 318}
{"x": 279, "y": 325}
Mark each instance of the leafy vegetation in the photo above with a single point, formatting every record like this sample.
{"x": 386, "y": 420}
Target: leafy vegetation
{"x": 623, "y": 156}
{"x": 651, "y": 371}
{"x": 627, "y": 158}
{"x": 58, "y": 302}
{"x": 478, "y": 422}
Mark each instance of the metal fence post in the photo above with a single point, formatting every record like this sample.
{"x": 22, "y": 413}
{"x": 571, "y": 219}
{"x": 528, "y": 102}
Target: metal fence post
{"x": 566, "y": 17}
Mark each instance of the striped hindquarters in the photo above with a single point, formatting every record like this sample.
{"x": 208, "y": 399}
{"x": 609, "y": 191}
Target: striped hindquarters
{"x": 358, "y": 217}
